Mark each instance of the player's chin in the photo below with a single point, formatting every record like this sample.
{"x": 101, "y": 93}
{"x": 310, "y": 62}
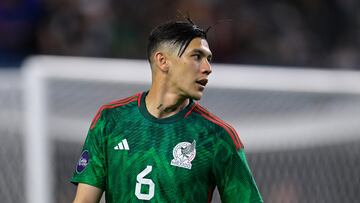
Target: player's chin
{"x": 197, "y": 95}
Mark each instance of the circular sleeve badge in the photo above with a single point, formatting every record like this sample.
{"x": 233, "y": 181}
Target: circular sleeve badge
{"x": 83, "y": 162}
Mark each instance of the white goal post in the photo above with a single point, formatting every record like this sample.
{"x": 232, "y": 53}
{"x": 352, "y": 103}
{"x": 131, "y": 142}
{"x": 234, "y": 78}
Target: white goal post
{"x": 37, "y": 70}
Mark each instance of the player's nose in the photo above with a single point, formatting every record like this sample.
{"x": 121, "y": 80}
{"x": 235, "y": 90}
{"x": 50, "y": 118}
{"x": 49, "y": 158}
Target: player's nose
{"x": 206, "y": 67}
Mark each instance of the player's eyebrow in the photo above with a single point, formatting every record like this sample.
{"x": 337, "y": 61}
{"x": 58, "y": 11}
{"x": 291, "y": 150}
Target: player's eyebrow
{"x": 202, "y": 53}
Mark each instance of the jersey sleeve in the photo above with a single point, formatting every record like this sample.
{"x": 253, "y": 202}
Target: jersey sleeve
{"x": 233, "y": 176}
{"x": 90, "y": 168}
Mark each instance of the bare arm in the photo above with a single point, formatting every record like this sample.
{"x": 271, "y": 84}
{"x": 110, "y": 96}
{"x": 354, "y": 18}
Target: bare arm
{"x": 87, "y": 194}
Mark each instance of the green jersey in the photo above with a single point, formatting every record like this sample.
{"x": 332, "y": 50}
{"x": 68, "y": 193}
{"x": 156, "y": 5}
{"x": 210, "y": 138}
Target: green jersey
{"x": 135, "y": 157}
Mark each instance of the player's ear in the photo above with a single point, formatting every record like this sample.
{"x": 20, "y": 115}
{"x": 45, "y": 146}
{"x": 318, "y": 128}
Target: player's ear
{"x": 161, "y": 61}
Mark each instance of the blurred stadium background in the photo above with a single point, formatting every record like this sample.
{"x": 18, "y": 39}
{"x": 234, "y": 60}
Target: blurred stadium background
{"x": 293, "y": 35}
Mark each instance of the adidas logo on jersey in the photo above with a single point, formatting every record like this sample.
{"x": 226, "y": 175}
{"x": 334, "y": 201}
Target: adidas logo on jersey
{"x": 123, "y": 145}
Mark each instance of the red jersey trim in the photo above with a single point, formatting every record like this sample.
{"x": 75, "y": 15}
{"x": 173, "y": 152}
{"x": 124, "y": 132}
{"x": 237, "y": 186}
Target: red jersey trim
{"x": 218, "y": 119}
{"x": 210, "y": 194}
{"x": 229, "y": 129}
{"x": 189, "y": 112}
{"x": 122, "y": 100}
{"x": 139, "y": 98}
{"x": 113, "y": 104}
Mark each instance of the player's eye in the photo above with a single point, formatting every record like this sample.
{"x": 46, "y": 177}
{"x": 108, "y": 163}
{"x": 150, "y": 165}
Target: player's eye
{"x": 196, "y": 57}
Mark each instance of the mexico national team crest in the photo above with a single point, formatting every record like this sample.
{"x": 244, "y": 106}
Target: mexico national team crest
{"x": 184, "y": 153}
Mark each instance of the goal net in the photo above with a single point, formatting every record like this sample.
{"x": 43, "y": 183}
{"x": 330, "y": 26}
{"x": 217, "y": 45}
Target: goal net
{"x": 300, "y": 127}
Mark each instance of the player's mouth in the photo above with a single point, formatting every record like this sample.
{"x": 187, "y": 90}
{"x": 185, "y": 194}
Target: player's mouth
{"x": 202, "y": 82}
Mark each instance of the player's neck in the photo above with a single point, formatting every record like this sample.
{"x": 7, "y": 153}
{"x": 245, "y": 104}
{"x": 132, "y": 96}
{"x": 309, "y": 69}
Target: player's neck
{"x": 163, "y": 104}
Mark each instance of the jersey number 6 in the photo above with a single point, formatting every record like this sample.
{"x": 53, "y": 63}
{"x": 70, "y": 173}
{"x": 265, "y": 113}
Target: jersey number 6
{"x": 144, "y": 181}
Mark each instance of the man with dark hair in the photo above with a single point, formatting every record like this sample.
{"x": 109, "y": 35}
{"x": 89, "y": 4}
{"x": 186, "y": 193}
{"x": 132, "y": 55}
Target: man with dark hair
{"x": 160, "y": 145}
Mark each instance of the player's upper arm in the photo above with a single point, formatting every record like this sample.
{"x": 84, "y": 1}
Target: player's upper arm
{"x": 233, "y": 175}
{"x": 87, "y": 194}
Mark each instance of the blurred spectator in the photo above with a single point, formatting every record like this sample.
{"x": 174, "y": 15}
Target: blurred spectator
{"x": 77, "y": 28}
{"x": 18, "y": 22}
{"x": 308, "y": 33}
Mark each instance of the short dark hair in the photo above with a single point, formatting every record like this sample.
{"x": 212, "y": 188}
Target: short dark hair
{"x": 176, "y": 32}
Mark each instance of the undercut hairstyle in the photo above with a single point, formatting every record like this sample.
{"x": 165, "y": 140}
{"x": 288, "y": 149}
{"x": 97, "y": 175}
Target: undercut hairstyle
{"x": 178, "y": 33}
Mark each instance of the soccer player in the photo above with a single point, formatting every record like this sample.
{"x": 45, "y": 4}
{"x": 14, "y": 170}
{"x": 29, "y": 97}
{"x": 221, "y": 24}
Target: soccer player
{"x": 161, "y": 145}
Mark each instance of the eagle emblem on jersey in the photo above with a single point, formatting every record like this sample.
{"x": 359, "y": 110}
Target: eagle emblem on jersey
{"x": 184, "y": 153}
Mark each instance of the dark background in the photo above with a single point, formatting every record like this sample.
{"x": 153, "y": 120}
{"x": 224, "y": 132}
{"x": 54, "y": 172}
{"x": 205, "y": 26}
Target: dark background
{"x": 306, "y": 33}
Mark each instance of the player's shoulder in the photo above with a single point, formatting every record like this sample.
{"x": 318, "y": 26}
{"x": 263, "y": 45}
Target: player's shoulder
{"x": 128, "y": 101}
{"x": 106, "y": 109}
{"x": 227, "y": 131}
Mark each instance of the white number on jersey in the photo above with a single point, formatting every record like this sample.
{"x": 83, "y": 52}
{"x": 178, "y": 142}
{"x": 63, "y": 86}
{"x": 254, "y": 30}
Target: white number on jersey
{"x": 144, "y": 181}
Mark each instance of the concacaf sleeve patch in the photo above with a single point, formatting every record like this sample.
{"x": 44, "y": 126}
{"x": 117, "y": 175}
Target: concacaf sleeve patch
{"x": 83, "y": 162}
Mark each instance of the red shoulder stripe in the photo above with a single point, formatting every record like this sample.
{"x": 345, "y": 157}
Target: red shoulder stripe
{"x": 111, "y": 105}
{"x": 191, "y": 109}
{"x": 236, "y": 136}
{"x": 231, "y": 131}
{"x": 238, "y": 145}
{"x": 218, "y": 119}
{"x": 121, "y": 100}
{"x": 139, "y": 98}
